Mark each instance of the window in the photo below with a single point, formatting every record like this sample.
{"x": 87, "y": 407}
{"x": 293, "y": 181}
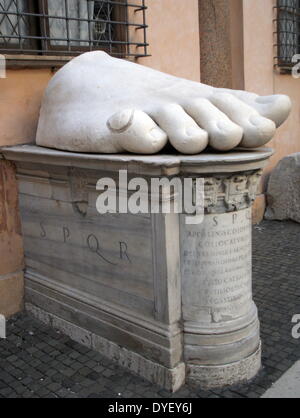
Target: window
{"x": 288, "y": 32}
{"x": 70, "y": 27}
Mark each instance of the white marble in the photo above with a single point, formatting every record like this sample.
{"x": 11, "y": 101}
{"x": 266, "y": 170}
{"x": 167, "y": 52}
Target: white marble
{"x": 100, "y": 104}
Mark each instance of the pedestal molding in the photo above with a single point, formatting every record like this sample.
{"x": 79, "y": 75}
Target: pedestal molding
{"x": 210, "y": 377}
{"x": 171, "y": 379}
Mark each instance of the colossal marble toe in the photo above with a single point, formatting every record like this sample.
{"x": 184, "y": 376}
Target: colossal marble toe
{"x": 276, "y": 107}
{"x": 258, "y": 130}
{"x": 223, "y": 133}
{"x": 134, "y": 131}
{"x": 183, "y": 132}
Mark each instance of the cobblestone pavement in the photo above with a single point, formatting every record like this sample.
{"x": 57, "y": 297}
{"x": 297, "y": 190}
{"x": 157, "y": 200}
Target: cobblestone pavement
{"x": 36, "y": 361}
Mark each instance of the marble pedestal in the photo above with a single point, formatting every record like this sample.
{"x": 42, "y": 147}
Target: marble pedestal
{"x": 171, "y": 302}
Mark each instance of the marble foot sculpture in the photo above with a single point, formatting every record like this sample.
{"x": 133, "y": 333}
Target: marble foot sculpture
{"x": 101, "y": 104}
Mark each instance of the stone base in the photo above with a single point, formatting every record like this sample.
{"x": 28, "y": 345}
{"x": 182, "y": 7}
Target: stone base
{"x": 170, "y": 379}
{"x": 209, "y": 377}
{"x": 169, "y": 300}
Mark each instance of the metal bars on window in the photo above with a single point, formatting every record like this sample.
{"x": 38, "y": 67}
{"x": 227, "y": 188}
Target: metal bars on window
{"x": 287, "y": 32}
{"x": 70, "y": 27}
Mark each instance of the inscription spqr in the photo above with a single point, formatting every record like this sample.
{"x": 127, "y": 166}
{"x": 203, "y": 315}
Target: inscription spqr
{"x": 216, "y": 268}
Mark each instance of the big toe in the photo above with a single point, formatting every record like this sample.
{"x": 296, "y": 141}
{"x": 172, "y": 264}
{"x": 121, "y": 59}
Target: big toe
{"x": 134, "y": 131}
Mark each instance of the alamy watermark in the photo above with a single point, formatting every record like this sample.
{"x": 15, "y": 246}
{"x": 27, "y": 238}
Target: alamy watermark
{"x": 2, "y": 326}
{"x": 296, "y": 328}
{"x": 2, "y": 66}
{"x": 157, "y": 195}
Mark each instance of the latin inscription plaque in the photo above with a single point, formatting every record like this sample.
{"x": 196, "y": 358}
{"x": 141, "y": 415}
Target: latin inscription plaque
{"x": 216, "y": 267}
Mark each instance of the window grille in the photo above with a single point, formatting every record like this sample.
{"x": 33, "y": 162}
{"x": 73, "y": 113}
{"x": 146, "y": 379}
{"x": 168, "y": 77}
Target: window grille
{"x": 70, "y": 27}
{"x": 288, "y": 32}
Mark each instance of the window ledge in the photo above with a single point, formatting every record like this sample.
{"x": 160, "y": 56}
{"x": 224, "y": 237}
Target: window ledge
{"x": 14, "y": 61}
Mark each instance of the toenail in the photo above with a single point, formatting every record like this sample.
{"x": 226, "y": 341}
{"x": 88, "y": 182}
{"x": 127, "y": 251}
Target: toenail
{"x": 256, "y": 120}
{"x": 261, "y": 122}
{"x": 157, "y": 133}
{"x": 223, "y": 125}
{"x": 121, "y": 121}
{"x": 191, "y": 131}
